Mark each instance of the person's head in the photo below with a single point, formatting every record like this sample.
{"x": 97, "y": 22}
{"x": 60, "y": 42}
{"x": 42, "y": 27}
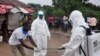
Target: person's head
{"x": 30, "y": 16}
{"x": 40, "y": 14}
{"x": 76, "y": 18}
{"x": 26, "y": 25}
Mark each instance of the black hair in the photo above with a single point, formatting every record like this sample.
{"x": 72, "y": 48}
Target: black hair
{"x": 26, "y": 23}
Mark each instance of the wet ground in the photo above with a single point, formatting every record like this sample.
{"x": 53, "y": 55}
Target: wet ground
{"x": 58, "y": 38}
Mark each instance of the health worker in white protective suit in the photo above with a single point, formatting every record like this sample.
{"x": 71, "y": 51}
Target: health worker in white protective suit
{"x": 78, "y": 35}
{"x": 40, "y": 34}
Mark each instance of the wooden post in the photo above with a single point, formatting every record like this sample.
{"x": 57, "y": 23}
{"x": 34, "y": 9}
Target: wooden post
{"x": 5, "y": 31}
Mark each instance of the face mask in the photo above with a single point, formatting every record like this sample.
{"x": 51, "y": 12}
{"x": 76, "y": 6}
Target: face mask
{"x": 41, "y": 16}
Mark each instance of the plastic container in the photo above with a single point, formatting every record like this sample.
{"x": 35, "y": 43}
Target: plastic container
{"x": 94, "y": 44}
{"x": 1, "y": 38}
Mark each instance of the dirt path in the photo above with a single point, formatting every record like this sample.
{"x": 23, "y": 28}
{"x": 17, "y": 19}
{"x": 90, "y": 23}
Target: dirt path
{"x": 58, "y": 38}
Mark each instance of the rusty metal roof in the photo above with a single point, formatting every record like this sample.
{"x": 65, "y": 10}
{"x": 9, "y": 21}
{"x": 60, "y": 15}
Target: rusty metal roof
{"x": 15, "y": 3}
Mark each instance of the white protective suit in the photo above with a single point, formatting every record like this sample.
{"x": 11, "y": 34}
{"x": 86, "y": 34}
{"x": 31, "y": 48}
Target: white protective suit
{"x": 78, "y": 36}
{"x": 40, "y": 34}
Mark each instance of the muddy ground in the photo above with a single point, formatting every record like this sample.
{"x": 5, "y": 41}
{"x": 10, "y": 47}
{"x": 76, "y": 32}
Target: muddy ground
{"x": 58, "y": 38}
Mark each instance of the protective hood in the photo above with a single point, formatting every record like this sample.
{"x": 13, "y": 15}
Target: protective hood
{"x": 41, "y": 21}
{"x": 77, "y": 19}
{"x": 40, "y": 13}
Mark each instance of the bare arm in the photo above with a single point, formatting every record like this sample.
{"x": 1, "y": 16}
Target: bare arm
{"x": 32, "y": 41}
{"x": 25, "y": 45}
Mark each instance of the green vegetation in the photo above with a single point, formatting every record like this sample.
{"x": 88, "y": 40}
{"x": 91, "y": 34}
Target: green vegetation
{"x": 65, "y": 7}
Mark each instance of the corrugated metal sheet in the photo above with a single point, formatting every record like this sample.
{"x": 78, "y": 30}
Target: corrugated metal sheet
{"x": 17, "y": 3}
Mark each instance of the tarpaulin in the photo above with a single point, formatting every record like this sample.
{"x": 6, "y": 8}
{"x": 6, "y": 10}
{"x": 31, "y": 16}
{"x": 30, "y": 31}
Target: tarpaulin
{"x": 29, "y": 10}
{"x": 23, "y": 10}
